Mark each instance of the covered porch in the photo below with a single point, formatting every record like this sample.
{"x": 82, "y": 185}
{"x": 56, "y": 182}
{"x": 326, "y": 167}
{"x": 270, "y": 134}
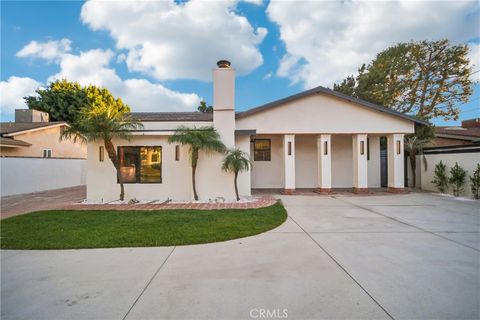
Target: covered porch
{"x": 326, "y": 162}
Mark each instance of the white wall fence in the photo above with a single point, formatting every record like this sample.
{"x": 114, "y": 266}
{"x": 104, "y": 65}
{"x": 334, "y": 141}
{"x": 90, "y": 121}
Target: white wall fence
{"x": 466, "y": 156}
{"x": 25, "y": 175}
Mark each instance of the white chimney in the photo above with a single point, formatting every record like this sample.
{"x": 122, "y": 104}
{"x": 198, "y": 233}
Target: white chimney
{"x": 224, "y": 102}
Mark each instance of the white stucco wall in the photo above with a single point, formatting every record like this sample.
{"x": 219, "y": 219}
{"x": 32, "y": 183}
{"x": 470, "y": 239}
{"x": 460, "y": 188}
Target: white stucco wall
{"x": 269, "y": 174}
{"x": 374, "y": 179}
{"x": 468, "y": 161}
{"x": 25, "y": 175}
{"x": 324, "y": 114}
{"x": 342, "y": 161}
{"x": 176, "y": 184}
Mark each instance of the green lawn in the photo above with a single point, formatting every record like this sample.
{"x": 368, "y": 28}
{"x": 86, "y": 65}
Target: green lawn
{"x": 69, "y": 229}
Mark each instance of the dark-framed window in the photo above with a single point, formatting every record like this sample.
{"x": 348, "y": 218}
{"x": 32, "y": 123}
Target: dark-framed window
{"x": 140, "y": 164}
{"x": 262, "y": 149}
{"x": 368, "y": 148}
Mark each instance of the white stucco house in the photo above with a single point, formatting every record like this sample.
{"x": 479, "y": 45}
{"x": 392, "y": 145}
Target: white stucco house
{"x": 318, "y": 139}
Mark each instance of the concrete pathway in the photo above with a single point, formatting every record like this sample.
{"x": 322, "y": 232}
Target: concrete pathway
{"x": 45, "y": 200}
{"x": 413, "y": 256}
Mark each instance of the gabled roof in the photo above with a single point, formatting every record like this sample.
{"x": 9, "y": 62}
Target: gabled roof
{"x": 323, "y": 90}
{"x": 172, "y": 116}
{"x": 13, "y": 128}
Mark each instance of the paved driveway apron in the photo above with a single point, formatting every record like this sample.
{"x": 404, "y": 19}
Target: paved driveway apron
{"x": 404, "y": 257}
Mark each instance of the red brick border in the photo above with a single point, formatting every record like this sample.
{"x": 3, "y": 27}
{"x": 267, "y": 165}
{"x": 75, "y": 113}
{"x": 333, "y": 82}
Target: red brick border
{"x": 324, "y": 191}
{"x": 360, "y": 190}
{"x": 397, "y": 190}
{"x": 289, "y": 192}
{"x": 258, "y": 202}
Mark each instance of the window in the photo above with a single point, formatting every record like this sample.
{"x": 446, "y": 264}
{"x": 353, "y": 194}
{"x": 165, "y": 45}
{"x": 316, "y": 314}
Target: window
{"x": 368, "y": 149}
{"x": 177, "y": 153}
{"x": 325, "y": 147}
{"x": 362, "y": 147}
{"x": 47, "y": 153}
{"x": 101, "y": 153}
{"x": 289, "y": 148}
{"x": 140, "y": 164}
{"x": 261, "y": 150}
{"x": 399, "y": 147}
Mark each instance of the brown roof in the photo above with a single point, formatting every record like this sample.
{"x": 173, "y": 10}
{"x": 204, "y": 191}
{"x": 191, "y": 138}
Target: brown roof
{"x": 13, "y": 127}
{"x": 471, "y": 132}
{"x": 11, "y": 142}
{"x": 173, "y": 116}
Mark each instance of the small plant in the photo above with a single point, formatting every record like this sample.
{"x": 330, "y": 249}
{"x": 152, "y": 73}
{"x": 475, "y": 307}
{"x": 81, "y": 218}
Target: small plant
{"x": 441, "y": 178}
{"x": 475, "y": 182}
{"x": 457, "y": 179}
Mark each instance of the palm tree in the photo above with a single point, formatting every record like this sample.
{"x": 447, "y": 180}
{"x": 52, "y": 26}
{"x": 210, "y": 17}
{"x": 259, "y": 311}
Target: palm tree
{"x": 103, "y": 118}
{"x": 414, "y": 146}
{"x": 204, "y": 139}
{"x": 236, "y": 161}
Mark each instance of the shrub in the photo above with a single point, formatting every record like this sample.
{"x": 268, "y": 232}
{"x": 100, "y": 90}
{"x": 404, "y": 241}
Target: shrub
{"x": 441, "y": 178}
{"x": 457, "y": 179}
{"x": 475, "y": 182}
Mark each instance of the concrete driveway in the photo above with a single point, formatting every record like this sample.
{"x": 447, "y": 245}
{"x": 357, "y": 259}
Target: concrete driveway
{"x": 410, "y": 256}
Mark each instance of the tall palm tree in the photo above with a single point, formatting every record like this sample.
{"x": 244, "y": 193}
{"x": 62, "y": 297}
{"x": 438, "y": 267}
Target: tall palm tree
{"x": 236, "y": 161}
{"x": 414, "y": 145}
{"x": 204, "y": 139}
{"x": 103, "y": 118}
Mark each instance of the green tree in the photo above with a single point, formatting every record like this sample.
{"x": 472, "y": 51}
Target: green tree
{"x": 414, "y": 144}
{"x": 104, "y": 118}
{"x": 62, "y": 99}
{"x": 440, "y": 177}
{"x": 236, "y": 161}
{"x": 204, "y": 139}
{"x": 204, "y": 108}
{"x": 427, "y": 79}
{"x": 457, "y": 179}
{"x": 475, "y": 182}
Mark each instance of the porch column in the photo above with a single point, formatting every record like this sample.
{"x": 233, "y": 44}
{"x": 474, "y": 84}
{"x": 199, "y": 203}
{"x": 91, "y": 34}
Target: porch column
{"x": 289, "y": 163}
{"x": 360, "y": 164}
{"x": 395, "y": 163}
{"x": 324, "y": 164}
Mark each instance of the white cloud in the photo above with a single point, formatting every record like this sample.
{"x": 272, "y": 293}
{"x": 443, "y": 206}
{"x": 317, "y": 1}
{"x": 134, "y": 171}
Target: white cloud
{"x": 267, "y": 76}
{"x": 326, "y": 40}
{"x": 51, "y": 50}
{"x": 474, "y": 56}
{"x": 169, "y": 40}
{"x": 12, "y": 92}
{"x": 92, "y": 67}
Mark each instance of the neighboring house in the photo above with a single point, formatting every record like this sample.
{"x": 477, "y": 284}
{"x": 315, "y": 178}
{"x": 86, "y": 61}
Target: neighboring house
{"x": 467, "y": 133}
{"x": 317, "y": 139}
{"x": 32, "y": 135}
{"x": 451, "y": 145}
{"x": 32, "y": 157}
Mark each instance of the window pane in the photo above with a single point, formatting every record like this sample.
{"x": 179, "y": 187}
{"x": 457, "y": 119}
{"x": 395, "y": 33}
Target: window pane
{"x": 151, "y": 164}
{"x": 129, "y": 164}
{"x": 262, "y": 150}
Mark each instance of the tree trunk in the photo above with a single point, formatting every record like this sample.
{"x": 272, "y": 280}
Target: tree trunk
{"x": 236, "y": 187}
{"x": 112, "y": 154}
{"x": 413, "y": 165}
{"x": 194, "y": 169}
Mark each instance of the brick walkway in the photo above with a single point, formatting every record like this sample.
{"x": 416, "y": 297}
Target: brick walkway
{"x": 45, "y": 200}
{"x": 258, "y": 202}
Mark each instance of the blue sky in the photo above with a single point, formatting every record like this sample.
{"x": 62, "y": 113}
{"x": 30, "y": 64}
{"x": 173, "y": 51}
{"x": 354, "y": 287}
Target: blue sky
{"x": 158, "y": 56}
